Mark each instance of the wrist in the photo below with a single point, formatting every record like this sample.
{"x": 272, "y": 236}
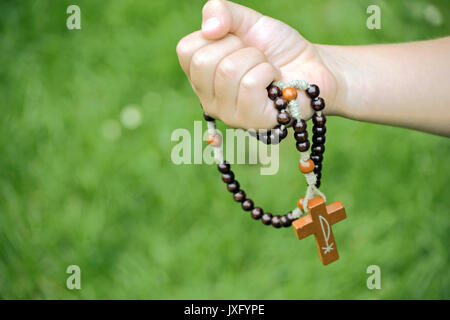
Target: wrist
{"x": 341, "y": 75}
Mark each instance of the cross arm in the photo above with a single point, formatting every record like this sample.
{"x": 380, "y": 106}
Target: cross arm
{"x": 335, "y": 212}
{"x": 303, "y": 227}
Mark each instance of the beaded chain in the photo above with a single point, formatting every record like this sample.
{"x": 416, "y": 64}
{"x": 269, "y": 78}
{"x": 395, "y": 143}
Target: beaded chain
{"x": 285, "y": 102}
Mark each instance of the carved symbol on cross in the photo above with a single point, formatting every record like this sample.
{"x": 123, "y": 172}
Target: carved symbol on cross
{"x": 318, "y": 222}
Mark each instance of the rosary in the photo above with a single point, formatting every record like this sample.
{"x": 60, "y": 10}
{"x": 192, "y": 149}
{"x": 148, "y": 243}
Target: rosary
{"x": 311, "y": 215}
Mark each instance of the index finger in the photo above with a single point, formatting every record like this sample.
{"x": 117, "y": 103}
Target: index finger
{"x": 186, "y": 48}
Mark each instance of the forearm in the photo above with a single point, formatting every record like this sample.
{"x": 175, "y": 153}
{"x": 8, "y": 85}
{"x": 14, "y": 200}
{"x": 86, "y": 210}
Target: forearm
{"x": 404, "y": 85}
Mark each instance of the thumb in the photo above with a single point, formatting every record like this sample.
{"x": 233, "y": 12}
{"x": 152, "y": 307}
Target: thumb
{"x": 278, "y": 41}
{"x": 221, "y": 17}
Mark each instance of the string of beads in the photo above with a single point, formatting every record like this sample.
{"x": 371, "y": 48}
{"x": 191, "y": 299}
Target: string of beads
{"x": 285, "y": 101}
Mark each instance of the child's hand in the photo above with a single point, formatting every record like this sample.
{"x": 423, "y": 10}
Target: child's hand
{"x": 238, "y": 53}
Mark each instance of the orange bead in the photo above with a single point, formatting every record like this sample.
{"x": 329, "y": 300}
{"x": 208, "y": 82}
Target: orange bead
{"x": 300, "y": 203}
{"x": 214, "y": 140}
{"x": 289, "y": 93}
{"x": 307, "y": 166}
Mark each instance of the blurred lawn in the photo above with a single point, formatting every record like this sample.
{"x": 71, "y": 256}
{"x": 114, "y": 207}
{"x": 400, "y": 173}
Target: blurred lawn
{"x": 78, "y": 187}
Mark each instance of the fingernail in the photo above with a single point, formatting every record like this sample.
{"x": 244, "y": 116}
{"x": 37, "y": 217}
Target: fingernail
{"x": 210, "y": 24}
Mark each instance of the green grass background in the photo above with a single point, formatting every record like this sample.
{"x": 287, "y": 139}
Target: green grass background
{"x": 141, "y": 227}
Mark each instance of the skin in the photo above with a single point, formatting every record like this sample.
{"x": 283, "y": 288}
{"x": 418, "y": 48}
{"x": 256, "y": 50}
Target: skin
{"x": 239, "y": 52}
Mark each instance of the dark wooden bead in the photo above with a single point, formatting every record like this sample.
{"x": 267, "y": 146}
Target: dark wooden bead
{"x": 285, "y": 221}
{"x": 318, "y": 183}
{"x": 290, "y": 216}
{"x": 281, "y": 103}
{"x": 274, "y": 140}
{"x": 261, "y": 134}
{"x": 318, "y": 148}
{"x": 300, "y": 126}
{"x": 301, "y": 136}
{"x": 302, "y": 146}
{"x": 283, "y": 118}
{"x": 277, "y": 135}
{"x": 239, "y": 196}
{"x": 266, "y": 218}
{"x": 284, "y": 133}
{"x": 319, "y": 130}
{"x": 318, "y": 139}
{"x": 233, "y": 186}
{"x": 264, "y": 138}
{"x": 247, "y": 205}
{"x": 317, "y": 158}
{"x": 207, "y": 118}
{"x": 280, "y": 133}
{"x": 274, "y": 137}
{"x": 313, "y": 91}
{"x": 274, "y": 92}
{"x": 228, "y": 177}
{"x": 276, "y": 222}
{"x": 319, "y": 120}
{"x": 318, "y": 175}
{"x": 318, "y": 104}
{"x": 257, "y": 213}
{"x": 224, "y": 167}
{"x": 317, "y": 167}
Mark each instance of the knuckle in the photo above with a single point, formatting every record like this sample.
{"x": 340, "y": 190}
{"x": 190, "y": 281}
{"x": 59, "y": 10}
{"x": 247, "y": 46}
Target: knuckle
{"x": 248, "y": 82}
{"x": 180, "y": 48}
{"x": 183, "y": 47}
{"x": 227, "y": 68}
{"x": 187, "y": 45}
{"x": 199, "y": 59}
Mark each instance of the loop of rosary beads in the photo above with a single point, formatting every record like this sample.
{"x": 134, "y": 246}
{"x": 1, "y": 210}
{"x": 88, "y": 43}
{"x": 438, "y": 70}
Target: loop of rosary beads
{"x": 280, "y": 99}
{"x": 284, "y": 98}
{"x": 319, "y": 119}
{"x": 319, "y": 130}
{"x": 247, "y": 204}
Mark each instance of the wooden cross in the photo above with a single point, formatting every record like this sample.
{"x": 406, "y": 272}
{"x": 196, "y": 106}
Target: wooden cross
{"x": 318, "y": 222}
